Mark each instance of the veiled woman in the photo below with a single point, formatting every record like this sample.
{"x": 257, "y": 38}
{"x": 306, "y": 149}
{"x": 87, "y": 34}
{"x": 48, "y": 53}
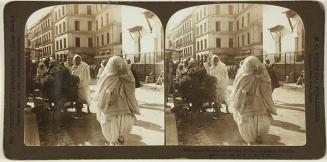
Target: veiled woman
{"x": 219, "y": 70}
{"x": 252, "y": 101}
{"x": 115, "y": 100}
{"x": 41, "y": 70}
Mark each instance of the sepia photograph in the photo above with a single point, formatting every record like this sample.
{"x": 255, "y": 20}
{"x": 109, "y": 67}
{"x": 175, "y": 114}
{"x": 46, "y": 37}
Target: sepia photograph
{"x": 94, "y": 76}
{"x": 235, "y": 76}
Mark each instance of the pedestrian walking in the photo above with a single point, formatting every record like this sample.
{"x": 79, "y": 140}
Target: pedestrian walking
{"x": 219, "y": 70}
{"x": 251, "y": 99}
{"x": 82, "y": 71}
{"x": 102, "y": 65}
{"x": 115, "y": 102}
{"x": 272, "y": 74}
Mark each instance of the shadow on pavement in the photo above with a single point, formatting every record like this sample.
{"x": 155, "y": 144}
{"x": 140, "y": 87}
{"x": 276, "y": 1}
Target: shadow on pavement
{"x": 270, "y": 139}
{"x": 287, "y": 126}
{"x": 149, "y": 125}
{"x": 144, "y": 105}
{"x": 134, "y": 140}
{"x": 81, "y": 132}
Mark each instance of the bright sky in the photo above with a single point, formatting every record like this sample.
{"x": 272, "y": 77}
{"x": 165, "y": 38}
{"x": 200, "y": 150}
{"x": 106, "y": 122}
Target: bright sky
{"x": 272, "y": 16}
{"x": 37, "y": 15}
{"x": 178, "y": 17}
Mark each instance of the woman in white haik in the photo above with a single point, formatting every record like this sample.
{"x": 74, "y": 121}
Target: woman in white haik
{"x": 115, "y": 100}
{"x": 251, "y": 100}
{"x": 219, "y": 70}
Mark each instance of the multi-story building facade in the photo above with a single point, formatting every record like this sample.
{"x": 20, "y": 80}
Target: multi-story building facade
{"x": 74, "y": 30}
{"x": 182, "y": 37}
{"x": 40, "y": 38}
{"x": 108, "y": 30}
{"x": 228, "y": 30}
{"x": 90, "y": 30}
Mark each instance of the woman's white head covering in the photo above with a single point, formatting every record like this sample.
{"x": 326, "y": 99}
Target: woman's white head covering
{"x": 75, "y": 57}
{"x": 116, "y": 79}
{"x": 252, "y": 72}
{"x": 213, "y": 60}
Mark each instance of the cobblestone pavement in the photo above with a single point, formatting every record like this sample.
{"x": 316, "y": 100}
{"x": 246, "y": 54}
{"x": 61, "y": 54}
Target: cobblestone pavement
{"x": 147, "y": 130}
{"x": 288, "y": 127}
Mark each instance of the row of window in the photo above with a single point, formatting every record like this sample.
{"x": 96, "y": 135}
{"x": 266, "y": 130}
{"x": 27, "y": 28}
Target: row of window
{"x": 201, "y": 29}
{"x": 44, "y": 25}
{"x": 201, "y": 13}
{"x": 242, "y": 21}
{"x": 45, "y": 50}
{"x": 61, "y": 28}
{"x": 61, "y": 44}
{"x": 184, "y": 40}
{"x": 60, "y": 12}
{"x": 184, "y": 28}
{"x": 42, "y": 39}
{"x": 100, "y": 22}
{"x": 200, "y": 43}
{"x": 187, "y": 50}
{"x": 104, "y": 41}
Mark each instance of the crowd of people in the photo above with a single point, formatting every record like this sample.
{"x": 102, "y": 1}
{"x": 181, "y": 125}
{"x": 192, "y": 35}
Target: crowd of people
{"x": 251, "y": 94}
{"x": 114, "y": 100}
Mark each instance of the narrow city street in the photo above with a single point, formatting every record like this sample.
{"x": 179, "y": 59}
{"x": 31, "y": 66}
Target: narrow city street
{"x": 147, "y": 130}
{"x": 288, "y": 127}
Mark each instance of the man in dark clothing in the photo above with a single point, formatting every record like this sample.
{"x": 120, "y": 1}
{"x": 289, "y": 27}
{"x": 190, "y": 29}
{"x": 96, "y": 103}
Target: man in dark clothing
{"x": 133, "y": 69}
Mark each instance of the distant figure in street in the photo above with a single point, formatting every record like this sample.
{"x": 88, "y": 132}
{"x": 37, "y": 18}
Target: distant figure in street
{"x": 102, "y": 65}
{"x": 207, "y": 67}
{"x": 68, "y": 63}
{"x": 132, "y": 67}
{"x": 272, "y": 74}
{"x": 180, "y": 71}
{"x": 41, "y": 70}
{"x": 115, "y": 102}
{"x": 219, "y": 70}
{"x": 300, "y": 80}
{"x": 251, "y": 99}
{"x": 82, "y": 70}
{"x": 160, "y": 79}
